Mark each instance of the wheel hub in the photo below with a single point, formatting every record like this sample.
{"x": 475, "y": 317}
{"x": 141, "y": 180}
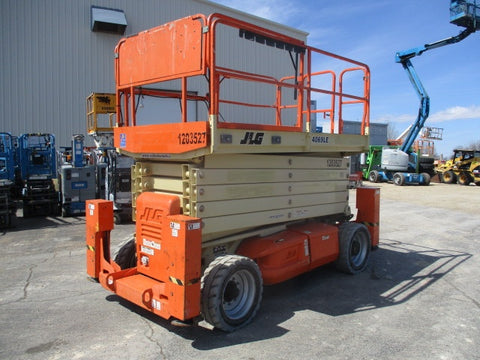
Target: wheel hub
{"x": 239, "y": 294}
{"x": 231, "y": 292}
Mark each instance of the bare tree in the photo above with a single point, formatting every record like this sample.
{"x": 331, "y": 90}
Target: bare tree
{"x": 472, "y": 146}
{"x": 475, "y": 145}
{"x": 392, "y": 132}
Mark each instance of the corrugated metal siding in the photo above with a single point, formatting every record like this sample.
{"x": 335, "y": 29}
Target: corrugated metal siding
{"x": 51, "y": 60}
{"x": 378, "y": 131}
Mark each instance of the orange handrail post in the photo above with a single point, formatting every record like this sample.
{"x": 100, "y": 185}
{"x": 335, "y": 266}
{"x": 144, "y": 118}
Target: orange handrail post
{"x": 299, "y": 87}
{"x": 308, "y": 77}
{"x": 355, "y": 99}
{"x": 184, "y": 99}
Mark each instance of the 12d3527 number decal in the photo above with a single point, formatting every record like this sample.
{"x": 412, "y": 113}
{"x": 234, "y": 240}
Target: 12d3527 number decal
{"x": 192, "y": 138}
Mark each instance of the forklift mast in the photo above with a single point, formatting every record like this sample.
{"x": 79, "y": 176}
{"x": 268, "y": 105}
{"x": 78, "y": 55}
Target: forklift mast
{"x": 465, "y": 13}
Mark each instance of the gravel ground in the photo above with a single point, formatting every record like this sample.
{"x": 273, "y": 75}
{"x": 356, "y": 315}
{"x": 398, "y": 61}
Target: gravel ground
{"x": 444, "y": 196}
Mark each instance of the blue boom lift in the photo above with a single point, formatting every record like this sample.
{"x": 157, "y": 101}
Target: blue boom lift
{"x": 399, "y": 165}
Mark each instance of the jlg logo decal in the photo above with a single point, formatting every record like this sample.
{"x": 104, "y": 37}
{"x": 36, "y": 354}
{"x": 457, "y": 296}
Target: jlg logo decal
{"x": 252, "y": 138}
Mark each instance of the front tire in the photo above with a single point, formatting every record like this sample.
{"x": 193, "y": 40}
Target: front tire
{"x": 126, "y": 257}
{"x": 117, "y": 219}
{"x": 373, "y": 176}
{"x": 449, "y": 177}
{"x": 355, "y": 244}
{"x": 231, "y": 292}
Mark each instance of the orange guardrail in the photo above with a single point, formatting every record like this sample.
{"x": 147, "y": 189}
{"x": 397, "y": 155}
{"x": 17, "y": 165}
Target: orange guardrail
{"x": 186, "y": 52}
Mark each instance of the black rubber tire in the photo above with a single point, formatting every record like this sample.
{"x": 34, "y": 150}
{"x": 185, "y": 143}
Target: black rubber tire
{"x": 398, "y": 179}
{"x": 426, "y": 160}
{"x": 354, "y": 248}
{"x": 232, "y": 289}
{"x": 117, "y": 219}
{"x": 426, "y": 165}
{"x": 373, "y": 176}
{"x": 464, "y": 178}
{"x": 57, "y": 209}
{"x": 426, "y": 179}
{"x": 449, "y": 177}
{"x": 427, "y": 168}
{"x": 126, "y": 257}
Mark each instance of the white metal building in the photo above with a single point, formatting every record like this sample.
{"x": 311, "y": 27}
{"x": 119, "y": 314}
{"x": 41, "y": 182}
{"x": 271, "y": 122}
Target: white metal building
{"x": 56, "y": 52}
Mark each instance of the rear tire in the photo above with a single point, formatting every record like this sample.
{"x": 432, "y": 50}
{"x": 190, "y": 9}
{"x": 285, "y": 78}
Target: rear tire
{"x": 231, "y": 292}
{"x": 464, "y": 178}
{"x": 126, "y": 257}
{"x": 354, "y": 243}
{"x": 426, "y": 179}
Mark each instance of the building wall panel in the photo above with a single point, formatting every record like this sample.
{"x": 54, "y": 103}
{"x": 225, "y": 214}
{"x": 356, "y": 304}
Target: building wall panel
{"x": 51, "y": 60}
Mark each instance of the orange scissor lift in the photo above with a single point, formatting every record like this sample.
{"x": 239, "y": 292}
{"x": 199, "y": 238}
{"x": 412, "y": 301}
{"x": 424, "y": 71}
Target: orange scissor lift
{"x": 236, "y": 186}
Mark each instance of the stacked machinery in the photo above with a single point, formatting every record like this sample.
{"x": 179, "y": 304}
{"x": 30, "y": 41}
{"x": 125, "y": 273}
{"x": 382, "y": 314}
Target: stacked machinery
{"x": 38, "y": 169}
{"x": 79, "y": 180}
{"x": 8, "y": 206}
{"x": 115, "y": 183}
{"x": 28, "y": 170}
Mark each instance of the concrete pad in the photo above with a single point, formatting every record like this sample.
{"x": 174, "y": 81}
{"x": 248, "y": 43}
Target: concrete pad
{"x": 419, "y": 297}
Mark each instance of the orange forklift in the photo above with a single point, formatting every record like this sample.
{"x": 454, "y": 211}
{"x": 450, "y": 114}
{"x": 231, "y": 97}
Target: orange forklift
{"x": 236, "y": 184}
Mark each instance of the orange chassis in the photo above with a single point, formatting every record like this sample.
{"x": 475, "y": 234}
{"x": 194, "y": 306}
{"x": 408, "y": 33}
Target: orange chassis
{"x": 169, "y": 285}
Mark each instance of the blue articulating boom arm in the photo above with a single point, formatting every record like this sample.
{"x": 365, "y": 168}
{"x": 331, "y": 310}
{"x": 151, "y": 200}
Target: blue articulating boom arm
{"x": 404, "y": 57}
